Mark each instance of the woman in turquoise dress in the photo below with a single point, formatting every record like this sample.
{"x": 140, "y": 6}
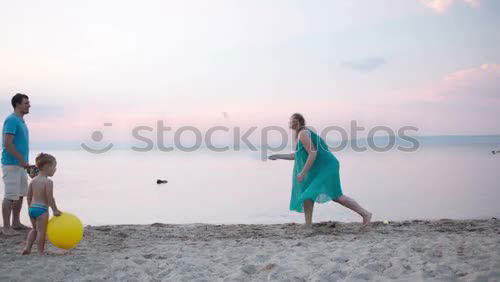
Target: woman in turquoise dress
{"x": 316, "y": 175}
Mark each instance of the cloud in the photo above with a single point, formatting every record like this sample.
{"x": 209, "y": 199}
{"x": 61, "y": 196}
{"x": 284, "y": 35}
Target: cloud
{"x": 440, "y": 6}
{"x": 365, "y": 65}
{"x": 473, "y": 88}
{"x": 465, "y": 101}
{"x": 481, "y": 83}
{"x": 473, "y": 3}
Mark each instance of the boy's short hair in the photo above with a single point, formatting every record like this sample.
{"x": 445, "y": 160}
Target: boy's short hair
{"x": 42, "y": 159}
{"x": 18, "y": 99}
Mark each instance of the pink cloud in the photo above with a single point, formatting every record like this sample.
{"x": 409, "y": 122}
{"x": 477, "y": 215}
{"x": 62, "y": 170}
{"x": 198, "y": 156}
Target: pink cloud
{"x": 481, "y": 83}
{"x": 440, "y": 6}
{"x": 475, "y": 85}
{"x": 461, "y": 102}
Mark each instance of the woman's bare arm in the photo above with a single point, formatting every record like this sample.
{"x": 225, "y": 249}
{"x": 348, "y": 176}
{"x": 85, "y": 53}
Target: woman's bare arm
{"x": 305, "y": 138}
{"x": 289, "y": 157}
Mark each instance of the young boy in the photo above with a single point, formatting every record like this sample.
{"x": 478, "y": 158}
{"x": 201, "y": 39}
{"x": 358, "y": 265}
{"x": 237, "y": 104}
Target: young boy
{"x": 40, "y": 198}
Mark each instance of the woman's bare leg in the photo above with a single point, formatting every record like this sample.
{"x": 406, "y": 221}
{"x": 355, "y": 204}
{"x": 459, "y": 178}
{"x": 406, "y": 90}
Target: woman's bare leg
{"x": 308, "y": 212}
{"x": 353, "y": 205}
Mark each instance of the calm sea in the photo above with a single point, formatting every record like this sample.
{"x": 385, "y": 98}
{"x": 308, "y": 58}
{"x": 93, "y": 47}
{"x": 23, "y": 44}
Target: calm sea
{"x": 119, "y": 187}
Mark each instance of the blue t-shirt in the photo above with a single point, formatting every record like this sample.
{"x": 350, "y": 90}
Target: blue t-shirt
{"x": 16, "y": 126}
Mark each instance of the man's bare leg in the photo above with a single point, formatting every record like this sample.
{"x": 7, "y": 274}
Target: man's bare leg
{"x": 308, "y": 212}
{"x": 16, "y": 212}
{"x": 353, "y": 205}
{"x": 41, "y": 226}
{"x": 31, "y": 238}
{"x": 6, "y": 211}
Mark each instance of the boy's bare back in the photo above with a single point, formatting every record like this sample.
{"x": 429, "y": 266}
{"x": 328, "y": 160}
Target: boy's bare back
{"x": 39, "y": 187}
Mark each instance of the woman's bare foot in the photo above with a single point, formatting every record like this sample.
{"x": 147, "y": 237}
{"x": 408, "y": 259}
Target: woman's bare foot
{"x": 367, "y": 218}
{"x": 26, "y": 252}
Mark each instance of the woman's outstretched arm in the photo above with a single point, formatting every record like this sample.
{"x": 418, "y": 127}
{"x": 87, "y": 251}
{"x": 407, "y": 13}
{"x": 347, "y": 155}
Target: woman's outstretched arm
{"x": 289, "y": 157}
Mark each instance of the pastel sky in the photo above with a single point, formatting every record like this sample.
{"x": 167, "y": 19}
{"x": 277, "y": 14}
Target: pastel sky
{"x": 433, "y": 64}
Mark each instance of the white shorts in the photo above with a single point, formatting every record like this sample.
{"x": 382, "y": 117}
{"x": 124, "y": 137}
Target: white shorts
{"x": 15, "y": 180}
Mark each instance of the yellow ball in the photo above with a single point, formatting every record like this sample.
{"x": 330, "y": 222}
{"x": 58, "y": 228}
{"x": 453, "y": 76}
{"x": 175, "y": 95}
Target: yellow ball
{"x": 386, "y": 221}
{"x": 65, "y": 231}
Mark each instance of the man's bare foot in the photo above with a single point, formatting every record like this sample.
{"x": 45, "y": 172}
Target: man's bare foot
{"x": 20, "y": 227}
{"x": 26, "y": 252}
{"x": 367, "y": 218}
{"x": 8, "y": 231}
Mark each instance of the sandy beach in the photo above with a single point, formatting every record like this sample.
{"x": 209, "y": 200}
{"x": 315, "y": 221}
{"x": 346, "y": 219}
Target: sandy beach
{"x": 443, "y": 250}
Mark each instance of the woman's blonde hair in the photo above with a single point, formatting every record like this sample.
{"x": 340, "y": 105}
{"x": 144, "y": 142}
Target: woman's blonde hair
{"x": 43, "y": 159}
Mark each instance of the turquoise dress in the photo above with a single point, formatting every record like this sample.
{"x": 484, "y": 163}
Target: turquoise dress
{"x": 322, "y": 182}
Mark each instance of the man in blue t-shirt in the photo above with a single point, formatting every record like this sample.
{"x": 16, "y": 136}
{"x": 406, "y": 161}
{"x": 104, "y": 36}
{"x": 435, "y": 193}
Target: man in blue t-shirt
{"x": 15, "y": 152}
